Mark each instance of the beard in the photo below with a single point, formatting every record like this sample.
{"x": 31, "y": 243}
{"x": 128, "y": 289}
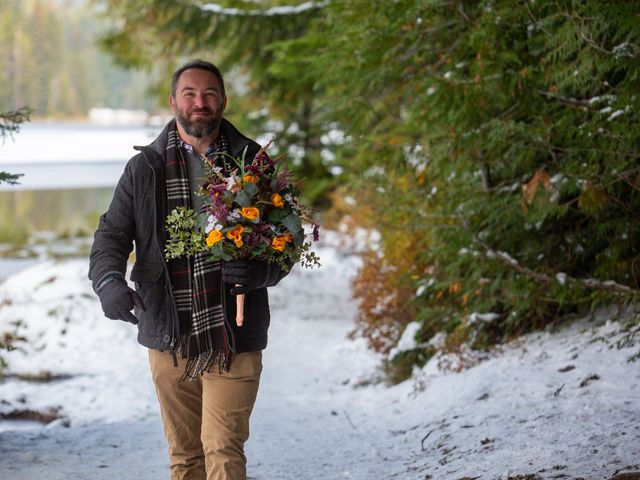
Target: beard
{"x": 200, "y": 127}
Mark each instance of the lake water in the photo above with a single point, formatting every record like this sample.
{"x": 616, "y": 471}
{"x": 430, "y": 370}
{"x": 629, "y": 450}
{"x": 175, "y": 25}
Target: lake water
{"x": 70, "y": 171}
{"x": 57, "y": 156}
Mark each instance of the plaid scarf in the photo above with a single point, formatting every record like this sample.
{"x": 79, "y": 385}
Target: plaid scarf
{"x": 206, "y": 337}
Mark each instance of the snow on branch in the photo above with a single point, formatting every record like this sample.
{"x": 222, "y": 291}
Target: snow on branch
{"x": 569, "y": 101}
{"x": 267, "y": 12}
{"x": 561, "y": 277}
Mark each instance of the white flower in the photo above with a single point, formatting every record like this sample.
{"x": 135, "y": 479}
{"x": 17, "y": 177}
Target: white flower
{"x": 212, "y": 224}
{"x": 231, "y": 182}
{"x": 234, "y": 214}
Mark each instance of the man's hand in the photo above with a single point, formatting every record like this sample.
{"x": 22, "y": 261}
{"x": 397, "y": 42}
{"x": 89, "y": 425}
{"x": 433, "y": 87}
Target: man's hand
{"x": 118, "y": 300}
{"x": 249, "y": 274}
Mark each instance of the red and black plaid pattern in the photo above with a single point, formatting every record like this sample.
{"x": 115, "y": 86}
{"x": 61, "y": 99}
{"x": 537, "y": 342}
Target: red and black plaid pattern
{"x": 205, "y": 336}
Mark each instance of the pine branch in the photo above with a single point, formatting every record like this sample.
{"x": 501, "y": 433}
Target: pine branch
{"x": 569, "y": 101}
{"x": 591, "y": 283}
{"x": 10, "y": 121}
{"x": 10, "y": 124}
{"x": 280, "y": 10}
{"x": 535, "y": 19}
{"x": 625, "y": 49}
{"x": 419, "y": 42}
{"x": 10, "y": 178}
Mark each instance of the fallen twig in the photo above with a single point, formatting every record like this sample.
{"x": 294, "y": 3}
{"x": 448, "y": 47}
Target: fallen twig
{"x": 349, "y": 419}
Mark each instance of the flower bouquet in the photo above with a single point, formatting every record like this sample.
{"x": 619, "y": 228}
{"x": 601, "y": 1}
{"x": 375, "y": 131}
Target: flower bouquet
{"x": 251, "y": 212}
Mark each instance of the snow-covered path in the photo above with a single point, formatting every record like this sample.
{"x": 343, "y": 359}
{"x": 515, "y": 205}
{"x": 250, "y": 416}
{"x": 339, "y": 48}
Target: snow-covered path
{"x": 561, "y": 405}
{"x": 301, "y": 426}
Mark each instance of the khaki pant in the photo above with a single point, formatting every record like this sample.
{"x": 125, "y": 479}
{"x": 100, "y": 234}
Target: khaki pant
{"x": 206, "y": 421}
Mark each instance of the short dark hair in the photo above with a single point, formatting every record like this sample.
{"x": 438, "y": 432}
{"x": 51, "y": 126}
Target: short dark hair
{"x": 200, "y": 64}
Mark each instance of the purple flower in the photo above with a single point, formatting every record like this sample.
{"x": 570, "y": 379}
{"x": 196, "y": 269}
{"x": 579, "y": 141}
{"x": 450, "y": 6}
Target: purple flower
{"x": 219, "y": 210}
{"x": 283, "y": 178}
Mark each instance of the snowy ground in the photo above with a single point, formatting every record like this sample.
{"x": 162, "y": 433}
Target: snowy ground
{"x": 561, "y": 405}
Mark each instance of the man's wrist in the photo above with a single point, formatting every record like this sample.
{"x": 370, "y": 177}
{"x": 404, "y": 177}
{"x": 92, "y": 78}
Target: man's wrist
{"x": 107, "y": 280}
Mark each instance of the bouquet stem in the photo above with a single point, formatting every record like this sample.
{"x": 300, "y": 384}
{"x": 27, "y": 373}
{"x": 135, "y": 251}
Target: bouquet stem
{"x": 239, "y": 309}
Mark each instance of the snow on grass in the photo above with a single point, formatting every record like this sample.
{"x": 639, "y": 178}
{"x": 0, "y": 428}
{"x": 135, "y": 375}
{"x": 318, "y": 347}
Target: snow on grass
{"x": 53, "y": 306}
{"x": 549, "y": 404}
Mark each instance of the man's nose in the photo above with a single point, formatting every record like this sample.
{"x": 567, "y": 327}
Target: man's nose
{"x": 199, "y": 100}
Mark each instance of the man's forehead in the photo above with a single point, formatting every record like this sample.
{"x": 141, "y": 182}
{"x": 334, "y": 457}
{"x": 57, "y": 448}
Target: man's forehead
{"x": 198, "y": 78}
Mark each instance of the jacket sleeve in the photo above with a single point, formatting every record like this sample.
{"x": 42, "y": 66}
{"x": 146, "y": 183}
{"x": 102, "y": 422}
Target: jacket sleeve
{"x": 113, "y": 240}
{"x": 276, "y": 273}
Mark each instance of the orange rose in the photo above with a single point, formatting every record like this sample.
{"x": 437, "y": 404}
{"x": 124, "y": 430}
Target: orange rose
{"x": 279, "y": 242}
{"x": 250, "y": 213}
{"x": 277, "y": 200}
{"x": 235, "y": 234}
{"x": 250, "y": 179}
{"x": 214, "y": 237}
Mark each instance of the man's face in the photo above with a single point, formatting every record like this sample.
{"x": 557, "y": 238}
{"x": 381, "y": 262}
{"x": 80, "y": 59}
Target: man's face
{"x": 198, "y": 103}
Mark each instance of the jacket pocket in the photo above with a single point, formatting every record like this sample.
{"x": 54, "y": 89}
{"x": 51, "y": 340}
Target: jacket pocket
{"x": 150, "y": 285}
{"x": 146, "y": 272}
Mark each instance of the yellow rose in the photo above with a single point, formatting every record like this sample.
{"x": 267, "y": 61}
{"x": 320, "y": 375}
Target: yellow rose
{"x": 250, "y": 179}
{"x": 250, "y": 213}
{"x": 279, "y": 242}
{"x": 277, "y": 200}
{"x": 235, "y": 234}
{"x": 214, "y": 237}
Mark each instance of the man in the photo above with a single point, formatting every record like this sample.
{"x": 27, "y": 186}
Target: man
{"x": 206, "y": 369}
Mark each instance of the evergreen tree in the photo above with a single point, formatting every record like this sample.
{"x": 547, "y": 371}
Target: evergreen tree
{"x": 502, "y": 138}
{"x": 10, "y": 124}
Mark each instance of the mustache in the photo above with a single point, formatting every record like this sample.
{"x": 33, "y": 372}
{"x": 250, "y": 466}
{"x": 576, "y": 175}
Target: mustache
{"x": 201, "y": 110}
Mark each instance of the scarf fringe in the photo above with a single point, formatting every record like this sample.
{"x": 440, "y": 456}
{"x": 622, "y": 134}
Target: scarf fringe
{"x": 202, "y": 363}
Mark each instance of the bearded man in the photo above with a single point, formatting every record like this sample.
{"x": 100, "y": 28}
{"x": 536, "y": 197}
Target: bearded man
{"x": 206, "y": 369}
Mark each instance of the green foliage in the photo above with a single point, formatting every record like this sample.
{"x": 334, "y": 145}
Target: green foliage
{"x": 185, "y": 236}
{"x": 7, "y": 343}
{"x": 400, "y": 367}
{"x": 10, "y": 124}
{"x": 522, "y": 121}
{"x": 10, "y": 121}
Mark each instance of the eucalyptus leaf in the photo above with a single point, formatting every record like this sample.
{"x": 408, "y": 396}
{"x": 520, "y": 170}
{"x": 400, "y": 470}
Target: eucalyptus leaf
{"x": 293, "y": 223}
{"x": 277, "y": 215}
{"x": 245, "y": 196}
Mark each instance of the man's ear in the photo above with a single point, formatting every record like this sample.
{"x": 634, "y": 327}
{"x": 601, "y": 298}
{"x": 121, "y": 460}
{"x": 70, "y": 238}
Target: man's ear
{"x": 172, "y": 103}
{"x": 224, "y": 103}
